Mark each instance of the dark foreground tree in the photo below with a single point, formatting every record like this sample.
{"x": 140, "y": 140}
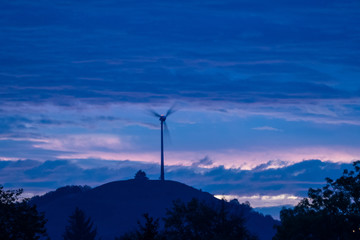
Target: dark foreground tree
{"x": 197, "y": 220}
{"x": 150, "y": 229}
{"x": 147, "y": 231}
{"x": 194, "y": 220}
{"x": 18, "y": 219}
{"x": 80, "y": 227}
{"x": 329, "y": 213}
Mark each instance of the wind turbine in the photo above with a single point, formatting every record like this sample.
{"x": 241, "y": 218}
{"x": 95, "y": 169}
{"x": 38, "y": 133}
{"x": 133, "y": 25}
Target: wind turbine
{"x": 163, "y": 125}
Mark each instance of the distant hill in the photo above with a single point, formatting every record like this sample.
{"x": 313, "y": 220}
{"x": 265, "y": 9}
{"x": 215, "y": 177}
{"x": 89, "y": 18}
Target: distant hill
{"x": 273, "y": 211}
{"x": 116, "y": 207}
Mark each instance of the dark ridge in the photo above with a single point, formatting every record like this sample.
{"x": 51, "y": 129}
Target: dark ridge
{"x": 116, "y": 207}
{"x": 60, "y": 192}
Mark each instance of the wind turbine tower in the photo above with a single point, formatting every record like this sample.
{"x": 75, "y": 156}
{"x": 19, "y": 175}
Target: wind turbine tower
{"x": 162, "y": 121}
{"x": 163, "y": 125}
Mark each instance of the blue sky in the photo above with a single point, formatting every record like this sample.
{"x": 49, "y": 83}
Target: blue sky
{"x": 254, "y": 82}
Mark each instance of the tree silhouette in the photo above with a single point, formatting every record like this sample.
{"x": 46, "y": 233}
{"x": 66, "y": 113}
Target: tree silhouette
{"x": 197, "y": 220}
{"x": 150, "y": 230}
{"x": 147, "y": 231}
{"x": 19, "y": 219}
{"x": 141, "y": 175}
{"x": 80, "y": 227}
{"x": 194, "y": 220}
{"x": 331, "y": 212}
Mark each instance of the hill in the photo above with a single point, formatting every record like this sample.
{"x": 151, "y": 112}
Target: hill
{"x": 116, "y": 207}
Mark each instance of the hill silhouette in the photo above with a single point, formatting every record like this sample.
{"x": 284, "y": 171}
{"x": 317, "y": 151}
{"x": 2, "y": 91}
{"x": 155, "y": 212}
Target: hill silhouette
{"x": 116, "y": 207}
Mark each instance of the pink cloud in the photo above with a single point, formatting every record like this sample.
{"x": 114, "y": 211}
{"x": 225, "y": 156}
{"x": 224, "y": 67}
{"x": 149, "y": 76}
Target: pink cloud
{"x": 245, "y": 160}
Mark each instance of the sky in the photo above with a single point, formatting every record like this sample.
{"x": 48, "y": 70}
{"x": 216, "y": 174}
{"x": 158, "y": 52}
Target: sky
{"x": 258, "y": 86}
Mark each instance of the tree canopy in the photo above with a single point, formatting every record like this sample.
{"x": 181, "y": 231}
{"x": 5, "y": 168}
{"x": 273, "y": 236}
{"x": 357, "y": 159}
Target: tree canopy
{"x": 19, "y": 220}
{"x": 198, "y": 220}
{"x": 195, "y": 220}
{"x": 330, "y": 212}
{"x": 141, "y": 176}
{"x": 146, "y": 231}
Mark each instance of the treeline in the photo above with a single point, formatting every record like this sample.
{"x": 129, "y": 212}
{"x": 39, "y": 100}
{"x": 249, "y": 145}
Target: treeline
{"x": 19, "y": 220}
{"x": 194, "y": 220}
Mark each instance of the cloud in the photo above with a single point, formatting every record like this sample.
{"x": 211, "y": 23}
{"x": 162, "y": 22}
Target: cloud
{"x": 259, "y": 201}
{"x": 272, "y": 164}
{"x": 204, "y": 162}
{"x": 274, "y": 66}
{"x": 263, "y": 186}
{"x": 266, "y": 128}
{"x": 149, "y": 59}
{"x": 83, "y": 143}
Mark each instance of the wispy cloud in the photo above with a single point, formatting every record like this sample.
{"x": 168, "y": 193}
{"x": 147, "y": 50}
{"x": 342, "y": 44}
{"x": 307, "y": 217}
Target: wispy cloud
{"x": 86, "y": 142}
{"x": 204, "y": 162}
{"x": 267, "y": 128}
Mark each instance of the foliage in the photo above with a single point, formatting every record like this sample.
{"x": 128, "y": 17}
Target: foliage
{"x": 141, "y": 175}
{"x": 148, "y": 231}
{"x": 18, "y": 219}
{"x": 197, "y": 220}
{"x": 80, "y": 227}
{"x": 194, "y": 221}
{"x": 331, "y": 212}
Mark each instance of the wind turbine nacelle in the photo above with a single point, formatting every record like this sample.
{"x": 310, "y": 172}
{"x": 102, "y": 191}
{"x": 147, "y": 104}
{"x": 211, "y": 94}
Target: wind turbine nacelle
{"x": 162, "y": 118}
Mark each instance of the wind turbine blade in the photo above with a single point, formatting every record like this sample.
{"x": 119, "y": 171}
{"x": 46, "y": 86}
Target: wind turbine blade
{"x": 167, "y": 132}
{"x": 171, "y": 111}
{"x": 154, "y": 113}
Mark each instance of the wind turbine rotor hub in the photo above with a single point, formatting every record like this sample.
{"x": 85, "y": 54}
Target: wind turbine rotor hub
{"x": 162, "y": 118}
